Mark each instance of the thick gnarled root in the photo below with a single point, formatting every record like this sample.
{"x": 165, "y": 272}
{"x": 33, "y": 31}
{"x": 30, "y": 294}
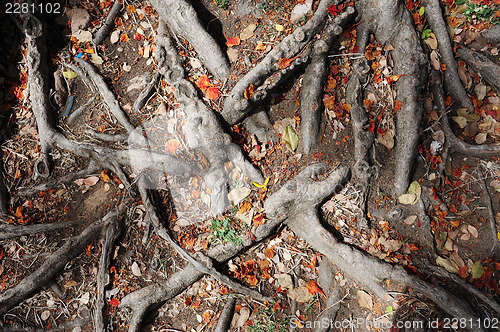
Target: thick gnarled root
{"x": 296, "y": 203}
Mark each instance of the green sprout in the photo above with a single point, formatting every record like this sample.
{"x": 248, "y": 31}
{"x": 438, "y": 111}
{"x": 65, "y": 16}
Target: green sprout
{"x": 224, "y": 231}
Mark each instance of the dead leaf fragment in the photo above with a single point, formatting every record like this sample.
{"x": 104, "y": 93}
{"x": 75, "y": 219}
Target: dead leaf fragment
{"x": 115, "y": 36}
{"x": 364, "y": 300}
{"x": 447, "y": 264}
{"x": 300, "y": 294}
{"x": 91, "y": 181}
{"x": 285, "y": 281}
{"x": 136, "y": 270}
{"x": 247, "y": 33}
{"x": 237, "y": 195}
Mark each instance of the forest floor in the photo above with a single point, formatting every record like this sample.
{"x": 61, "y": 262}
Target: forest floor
{"x": 282, "y": 265}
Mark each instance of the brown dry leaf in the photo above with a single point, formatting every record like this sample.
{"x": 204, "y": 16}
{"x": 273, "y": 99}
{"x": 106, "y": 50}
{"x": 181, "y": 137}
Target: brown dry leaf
{"x": 300, "y": 294}
{"x": 473, "y": 231}
{"x": 496, "y": 184}
{"x": 365, "y": 300}
{"x": 447, "y": 264}
{"x": 238, "y": 194}
{"x": 136, "y": 269}
{"x": 70, "y": 283}
{"x": 464, "y": 77}
{"x": 431, "y": 41}
{"x": 435, "y": 61}
{"x": 247, "y": 33}
{"x": 285, "y": 281}
{"x": 480, "y": 90}
{"x": 410, "y": 220}
{"x": 115, "y": 36}
{"x": 387, "y": 139}
{"x": 90, "y": 181}
{"x": 480, "y": 138}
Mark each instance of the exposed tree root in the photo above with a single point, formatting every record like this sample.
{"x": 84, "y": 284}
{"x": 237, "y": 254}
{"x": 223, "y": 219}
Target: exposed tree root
{"x": 53, "y": 265}
{"x": 259, "y": 124}
{"x": 495, "y": 250}
{"x": 390, "y": 22}
{"x": 482, "y": 65}
{"x": 492, "y": 34}
{"x": 11, "y": 231}
{"x": 109, "y": 23}
{"x": 295, "y": 204}
{"x": 226, "y": 315}
{"x": 236, "y": 106}
{"x": 183, "y": 21}
{"x": 111, "y": 233}
{"x": 202, "y": 128}
{"x": 452, "y": 82}
{"x": 326, "y": 281}
{"x": 453, "y": 143}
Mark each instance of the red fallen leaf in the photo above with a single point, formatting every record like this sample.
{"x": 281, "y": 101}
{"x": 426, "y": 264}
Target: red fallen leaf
{"x": 249, "y": 92}
{"x": 313, "y": 288}
{"x": 413, "y": 247}
{"x": 232, "y": 41}
{"x": 203, "y": 82}
{"x": 138, "y": 36}
{"x": 197, "y": 304}
{"x": 213, "y": 93}
{"x": 397, "y": 105}
{"x": 393, "y": 78}
{"x": 171, "y": 145}
{"x": 188, "y": 301}
{"x": 285, "y": 62}
{"x": 114, "y": 302}
{"x": 457, "y": 173}
{"x": 381, "y": 131}
{"x": 333, "y": 10}
{"x": 112, "y": 269}
{"x": 1, "y": 253}
{"x": 462, "y": 272}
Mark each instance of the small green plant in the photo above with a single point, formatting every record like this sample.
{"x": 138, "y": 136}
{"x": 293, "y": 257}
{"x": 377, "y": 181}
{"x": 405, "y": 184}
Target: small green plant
{"x": 426, "y": 33}
{"x": 266, "y": 322}
{"x": 223, "y": 231}
{"x": 480, "y": 12}
{"x": 222, "y": 4}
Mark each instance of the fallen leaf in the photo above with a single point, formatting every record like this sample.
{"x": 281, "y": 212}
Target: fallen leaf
{"x": 285, "y": 281}
{"x": 495, "y": 184}
{"x": 364, "y": 300}
{"x": 300, "y": 294}
{"x": 285, "y": 62}
{"x": 313, "y": 288}
{"x": 70, "y": 74}
{"x": 473, "y": 231}
{"x": 70, "y": 283}
{"x": 90, "y": 181}
{"x": 431, "y": 41}
{"x": 45, "y": 315}
{"x": 260, "y": 46}
{"x": 232, "y": 54}
{"x": 115, "y": 36}
{"x": 477, "y": 270}
{"x": 279, "y": 27}
{"x": 460, "y": 120}
{"x": 410, "y": 220}
{"x": 447, "y": 264}
{"x": 386, "y": 139}
{"x": 124, "y": 38}
{"x": 83, "y": 36}
{"x": 290, "y": 138}
{"x": 203, "y": 82}
{"x": 95, "y": 59}
{"x": 408, "y": 199}
{"x": 213, "y": 93}
{"x": 235, "y": 41}
{"x": 435, "y": 60}
{"x": 415, "y": 188}
{"x": 235, "y": 196}
{"x": 465, "y": 113}
{"x": 136, "y": 270}
{"x": 329, "y": 102}
{"x": 247, "y": 33}
{"x": 480, "y": 90}
{"x": 249, "y": 92}
{"x": 114, "y": 302}
{"x": 393, "y": 78}
{"x": 171, "y": 145}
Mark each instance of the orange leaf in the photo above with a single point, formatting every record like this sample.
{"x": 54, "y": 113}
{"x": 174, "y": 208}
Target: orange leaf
{"x": 393, "y": 78}
{"x": 269, "y": 253}
{"x": 213, "y": 93}
{"x": 252, "y": 280}
{"x": 285, "y": 62}
{"x": 114, "y": 302}
{"x": 203, "y": 82}
{"x": 124, "y": 38}
{"x": 397, "y": 105}
{"x": 260, "y": 46}
{"x": 105, "y": 176}
{"x": 249, "y": 92}
{"x": 329, "y": 102}
{"x": 313, "y": 288}
{"x": 131, "y": 8}
{"x": 233, "y": 41}
{"x": 138, "y": 36}
{"x": 171, "y": 145}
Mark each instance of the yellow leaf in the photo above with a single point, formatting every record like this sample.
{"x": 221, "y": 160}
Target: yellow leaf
{"x": 261, "y": 185}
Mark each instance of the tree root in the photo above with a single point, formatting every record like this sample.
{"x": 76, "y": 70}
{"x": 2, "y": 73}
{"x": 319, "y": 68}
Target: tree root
{"x": 312, "y": 85}
{"x": 259, "y": 124}
{"x": 107, "y": 95}
{"x": 492, "y": 34}
{"x": 226, "y": 315}
{"x": 202, "y": 128}
{"x": 11, "y": 231}
{"x": 111, "y": 233}
{"x": 295, "y": 204}
{"x": 482, "y": 65}
{"x": 452, "y": 82}
{"x": 326, "y": 281}
{"x": 236, "y": 106}
{"x": 495, "y": 250}
{"x": 71, "y": 249}
{"x": 109, "y": 23}
{"x": 453, "y": 143}
{"x": 182, "y": 19}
